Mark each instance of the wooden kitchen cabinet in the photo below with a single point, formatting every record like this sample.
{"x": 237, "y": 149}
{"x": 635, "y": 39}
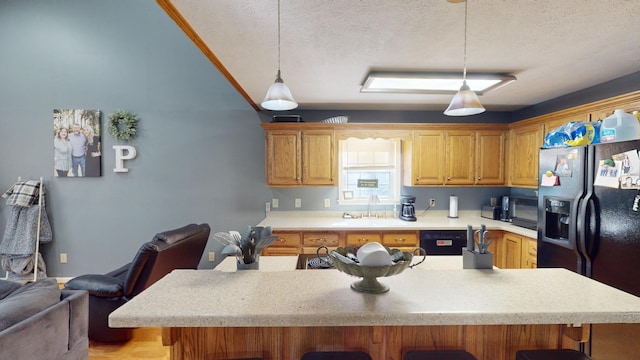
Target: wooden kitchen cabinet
{"x": 287, "y": 243}
{"x": 320, "y": 238}
{"x": 511, "y": 251}
{"x": 427, "y": 158}
{"x": 529, "y": 257}
{"x": 457, "y": 157}
{"x": 361, "y": 238}
{"x": 283, "y": 157}
{"x": 318, "y": 158}
{"x": 300, "y": 157}
{"x": 406, "y": 241}
{"x": 524, "y": 145}
{"x": 403, "y": 240}
{"x": 490, "y": 157}
{"x": 460, "y": 157}
{"x": 517, "y": 252}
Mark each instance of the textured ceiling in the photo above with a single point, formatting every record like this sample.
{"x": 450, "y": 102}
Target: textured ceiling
{"x": 553, "y": 47}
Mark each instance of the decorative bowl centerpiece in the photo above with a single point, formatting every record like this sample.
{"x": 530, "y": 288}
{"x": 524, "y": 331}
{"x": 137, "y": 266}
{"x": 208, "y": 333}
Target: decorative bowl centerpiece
{"x": 344, "y": 260}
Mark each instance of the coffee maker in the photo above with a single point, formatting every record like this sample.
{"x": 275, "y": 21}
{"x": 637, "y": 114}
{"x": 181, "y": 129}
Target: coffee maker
{"x": 408, "y": 211}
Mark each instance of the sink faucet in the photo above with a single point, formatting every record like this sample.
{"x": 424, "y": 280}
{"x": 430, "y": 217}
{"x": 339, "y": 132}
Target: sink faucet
{"x": 373, "y": 199}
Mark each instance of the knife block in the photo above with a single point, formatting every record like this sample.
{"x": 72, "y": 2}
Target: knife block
{"x": 252, "y": 266}
{"x": 474, "y": 260}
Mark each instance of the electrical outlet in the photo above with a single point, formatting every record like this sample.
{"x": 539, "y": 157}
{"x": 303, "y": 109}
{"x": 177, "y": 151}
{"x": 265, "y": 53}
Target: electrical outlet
{"x": 432, "y": 202}
{"x": 212, "y": 256}
{"x": 274, "y": 203}
{"x": 298, "y": 203}
{"x": 267, "y": 206}
{"x": 63, "y": 258}
{"x": 327, "y": 202}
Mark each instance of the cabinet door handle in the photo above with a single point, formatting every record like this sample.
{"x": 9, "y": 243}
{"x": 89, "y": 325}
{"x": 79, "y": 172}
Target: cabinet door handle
{"x": 400, "y": 239}
{"x": 363, "y": 240}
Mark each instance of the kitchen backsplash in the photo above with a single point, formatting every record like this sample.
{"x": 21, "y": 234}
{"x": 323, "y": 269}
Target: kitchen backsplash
{"x": 469, "y": 198}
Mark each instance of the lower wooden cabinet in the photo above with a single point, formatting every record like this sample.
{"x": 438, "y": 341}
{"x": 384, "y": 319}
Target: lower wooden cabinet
{"x": 529, "y": 257}
{"x": 308, "y": 242}
{"x": 288, "y": 243}
{"x": 406, "y": 241}
{"x": 510, "y": 251}
{"x": 361, "y": 238}
{"x": 517, "y": 252}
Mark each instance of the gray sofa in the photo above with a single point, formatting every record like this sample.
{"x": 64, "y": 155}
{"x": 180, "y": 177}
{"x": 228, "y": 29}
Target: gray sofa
{"x": 40, "y": 321}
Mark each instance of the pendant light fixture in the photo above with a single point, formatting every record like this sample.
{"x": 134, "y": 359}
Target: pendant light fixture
{"x": 279, "y": 96}
{"x": 465, "y": 102}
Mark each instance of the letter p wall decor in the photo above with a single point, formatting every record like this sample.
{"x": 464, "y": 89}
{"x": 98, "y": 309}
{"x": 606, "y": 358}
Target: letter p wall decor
{"x": 123, "y": 152}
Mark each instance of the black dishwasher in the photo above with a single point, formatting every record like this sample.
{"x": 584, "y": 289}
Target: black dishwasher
{"x": 443, "y": 242}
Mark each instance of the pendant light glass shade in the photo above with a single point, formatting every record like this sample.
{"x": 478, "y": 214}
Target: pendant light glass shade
{"x": 279, "y": 96}
{"x": 464, "y": 103}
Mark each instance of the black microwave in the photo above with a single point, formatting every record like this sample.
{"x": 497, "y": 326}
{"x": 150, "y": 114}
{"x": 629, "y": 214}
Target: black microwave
{"x": 521, "y": 211}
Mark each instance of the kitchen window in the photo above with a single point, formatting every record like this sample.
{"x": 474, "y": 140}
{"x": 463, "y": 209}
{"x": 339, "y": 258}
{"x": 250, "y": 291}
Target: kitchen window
{"x": 369, "y": 169}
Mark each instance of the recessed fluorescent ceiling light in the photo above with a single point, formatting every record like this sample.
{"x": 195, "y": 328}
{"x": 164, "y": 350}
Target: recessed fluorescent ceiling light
{"x": 432, "y": 82}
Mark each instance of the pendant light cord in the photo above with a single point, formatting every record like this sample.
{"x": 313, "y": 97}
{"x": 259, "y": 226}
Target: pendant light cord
{"x": 464, "y": 71}
{"x": 279, "y": 38}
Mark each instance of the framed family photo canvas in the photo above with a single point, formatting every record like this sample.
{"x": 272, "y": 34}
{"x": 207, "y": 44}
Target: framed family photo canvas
{"x": 77, "y": 146}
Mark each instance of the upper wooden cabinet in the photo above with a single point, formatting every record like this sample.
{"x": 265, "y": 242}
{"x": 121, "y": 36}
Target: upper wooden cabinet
{"x": 490, "y": 157}
{"x": 318, "y": 158}
{"x": 460, "y": 157}
{"x": 524, "y": 145}
{"x": 300, "y": 157}
{"x": 526, "y": 137}
{"x": 283, "y": 157}
{"x": 456, "y": 157}
{"x": 427, "y": 163}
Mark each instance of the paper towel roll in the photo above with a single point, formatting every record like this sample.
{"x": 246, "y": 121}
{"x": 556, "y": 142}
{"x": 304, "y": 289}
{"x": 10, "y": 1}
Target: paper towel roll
{"x": 453, "y": 206}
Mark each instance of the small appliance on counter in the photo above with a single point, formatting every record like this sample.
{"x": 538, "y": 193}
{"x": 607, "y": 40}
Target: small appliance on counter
{"x": 504, "y": 206}
{"x": 408, "y": 210}
{"x": 491, "y": 212}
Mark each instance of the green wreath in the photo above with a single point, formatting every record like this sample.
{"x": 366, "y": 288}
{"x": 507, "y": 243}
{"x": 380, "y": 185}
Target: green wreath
{"x": 122, "y": 125}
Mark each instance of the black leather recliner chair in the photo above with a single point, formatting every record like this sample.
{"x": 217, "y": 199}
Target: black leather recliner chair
{"x": 175, "y": 249}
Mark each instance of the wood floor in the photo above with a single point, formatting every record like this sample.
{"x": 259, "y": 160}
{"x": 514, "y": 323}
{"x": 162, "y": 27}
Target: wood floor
{"x": 146, "y": 344}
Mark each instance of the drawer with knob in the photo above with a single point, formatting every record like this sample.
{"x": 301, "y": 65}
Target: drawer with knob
{"x": 361, "y": 238}
{"x": 286, "y": 239}
{"x": 321, "y": 239}
{"x": 402, "y": 239}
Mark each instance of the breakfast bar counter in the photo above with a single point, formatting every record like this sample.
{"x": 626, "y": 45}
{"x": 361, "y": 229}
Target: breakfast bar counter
{"x": 282, "y": 314}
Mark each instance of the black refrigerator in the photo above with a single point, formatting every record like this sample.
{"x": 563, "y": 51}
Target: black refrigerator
{"x": 589, "y": 223}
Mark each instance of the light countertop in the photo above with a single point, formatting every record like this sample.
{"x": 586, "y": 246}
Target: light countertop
{"x": 431, "y": 220}
{"x": 248, "y": 298}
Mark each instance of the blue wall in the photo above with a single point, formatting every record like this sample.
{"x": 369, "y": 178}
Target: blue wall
{"x": 200, "y": 148}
